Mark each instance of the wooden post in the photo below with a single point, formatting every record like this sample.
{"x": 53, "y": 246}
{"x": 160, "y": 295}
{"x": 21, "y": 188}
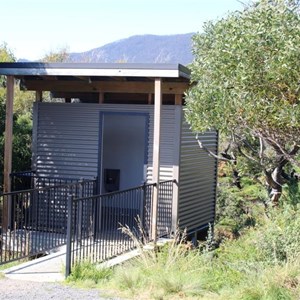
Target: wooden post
{"x": 8, "y": 138}
{"x": 101, "y": 97}
{"x": 38, "y": 96}
{"x": 8, "y": 135}
{"x": 149, "y": 98}
{"x": 178, "y": 99}
{"x": 156, "y": 155}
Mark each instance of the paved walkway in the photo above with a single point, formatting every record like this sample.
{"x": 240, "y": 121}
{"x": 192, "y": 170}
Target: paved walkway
{"x": 49, "y": 268}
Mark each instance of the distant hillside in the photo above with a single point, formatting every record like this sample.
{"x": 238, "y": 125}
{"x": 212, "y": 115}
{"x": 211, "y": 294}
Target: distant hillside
{"x": 141, "y": 49}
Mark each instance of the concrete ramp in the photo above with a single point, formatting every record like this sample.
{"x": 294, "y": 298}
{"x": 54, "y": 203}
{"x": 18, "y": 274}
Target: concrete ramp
{"x": 49, "y": 268}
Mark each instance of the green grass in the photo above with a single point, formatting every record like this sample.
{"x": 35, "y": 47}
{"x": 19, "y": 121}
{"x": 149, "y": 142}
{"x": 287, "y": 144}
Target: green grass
{"x": 263, "y": 263}
{"x": 257, "y": 256}
{"x": 88, "y": 275}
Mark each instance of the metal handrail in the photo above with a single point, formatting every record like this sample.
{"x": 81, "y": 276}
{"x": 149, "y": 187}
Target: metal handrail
{"x": 48, "y": 187}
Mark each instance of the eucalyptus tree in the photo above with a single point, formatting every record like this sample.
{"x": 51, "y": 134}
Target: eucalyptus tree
{"x": 246, "y": 84}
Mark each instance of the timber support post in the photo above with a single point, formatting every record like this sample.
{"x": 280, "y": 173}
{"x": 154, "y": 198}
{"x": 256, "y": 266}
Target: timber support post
{"x": 156, "y": 155}
{"x": 8, "y": 139}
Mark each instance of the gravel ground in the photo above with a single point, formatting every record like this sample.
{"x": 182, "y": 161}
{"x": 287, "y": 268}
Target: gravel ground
{"x": 17, "y": 289}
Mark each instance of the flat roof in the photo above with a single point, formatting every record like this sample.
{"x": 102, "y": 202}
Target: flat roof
{"x": 95, "y": 69}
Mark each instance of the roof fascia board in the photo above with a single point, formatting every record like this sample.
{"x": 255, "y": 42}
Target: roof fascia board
{"x": 91, "y": 72}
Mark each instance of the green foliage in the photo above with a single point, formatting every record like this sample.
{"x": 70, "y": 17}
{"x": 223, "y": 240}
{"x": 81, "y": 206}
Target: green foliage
{"x": 246, "y": 84}
{"x": 290, "y": 193}
{"x": 22, "y": 143}
{"x": 59, "y": 55}
{"x": 237, "y": 209}
{"x": 280, "y": 242}
{"x": 244, "y": 268}
{"x": 261, "y": 262}
{"x": 6, "y": 55}
{"x": 22, "y": 123}
{"x": 246, "y": 72}
{"x": 89, "y": 272}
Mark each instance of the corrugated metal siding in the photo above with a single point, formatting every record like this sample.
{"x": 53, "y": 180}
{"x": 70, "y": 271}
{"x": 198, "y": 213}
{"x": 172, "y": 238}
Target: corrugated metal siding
{"x": 166, "y": 145}
{"x": 67, "y": 138}
{"x": 197, "y": 180}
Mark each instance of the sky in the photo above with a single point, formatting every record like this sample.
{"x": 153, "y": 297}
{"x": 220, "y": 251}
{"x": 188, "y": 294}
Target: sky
{"x": 33, "y": 28}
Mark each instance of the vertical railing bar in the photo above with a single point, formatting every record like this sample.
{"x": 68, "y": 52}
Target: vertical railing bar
{"x": 92, "y": 228}
{"x": 4, "y": 232}
{"x": 99, "y": 228}
{"x": 20, "y": 226}
{"x": 47, "y": 225}
{"x": 53, "y": 230}
{"x": 108, "y": 221}
{"x": 12, "y": 232}
{"x": 115, "y": 227}
{"x": 69, "y": 236}
{"x": 90, "y": 220}
{"x": 27, "y": 213}
{"x": 13, "y": 203}
{"x": 128, "y": 215}
{"x": 98, "y": 237}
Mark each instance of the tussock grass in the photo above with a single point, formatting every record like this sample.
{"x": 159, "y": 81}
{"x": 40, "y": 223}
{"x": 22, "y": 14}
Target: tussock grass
{"x": 263, "y": 263}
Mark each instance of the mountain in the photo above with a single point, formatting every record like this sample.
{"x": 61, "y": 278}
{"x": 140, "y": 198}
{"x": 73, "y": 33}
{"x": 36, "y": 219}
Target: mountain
{"x": 141, "y": 49}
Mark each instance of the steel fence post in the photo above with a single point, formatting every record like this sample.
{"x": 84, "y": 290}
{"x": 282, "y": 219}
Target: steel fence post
{"x": 69, "y": 236}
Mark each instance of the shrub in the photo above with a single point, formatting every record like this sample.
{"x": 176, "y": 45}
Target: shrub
{"x": 280, "y": 239}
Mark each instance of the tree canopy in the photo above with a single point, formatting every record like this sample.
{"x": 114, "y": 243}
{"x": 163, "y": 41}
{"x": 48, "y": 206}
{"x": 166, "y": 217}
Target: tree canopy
{"x": 246, "y": 76}
{"x": 59, "y": 55}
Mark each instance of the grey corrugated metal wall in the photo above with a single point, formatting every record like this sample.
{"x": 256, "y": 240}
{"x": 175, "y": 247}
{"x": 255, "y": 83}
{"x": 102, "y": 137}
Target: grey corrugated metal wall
{"x": 67, "y": 138}
{"x": 197, "y": 180}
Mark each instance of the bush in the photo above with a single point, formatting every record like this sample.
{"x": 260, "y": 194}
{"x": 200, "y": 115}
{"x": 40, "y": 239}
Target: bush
{"x": 262, "y": 262}
{"x": 280, "y": 240}
{"x": 238, "y": 209}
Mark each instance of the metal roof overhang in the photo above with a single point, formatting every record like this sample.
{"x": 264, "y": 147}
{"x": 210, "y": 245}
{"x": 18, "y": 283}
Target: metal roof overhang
{"x": 96, "y": 69}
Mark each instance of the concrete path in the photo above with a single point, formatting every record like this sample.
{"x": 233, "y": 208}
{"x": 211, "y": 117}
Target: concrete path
{"x": 49, "y": 268}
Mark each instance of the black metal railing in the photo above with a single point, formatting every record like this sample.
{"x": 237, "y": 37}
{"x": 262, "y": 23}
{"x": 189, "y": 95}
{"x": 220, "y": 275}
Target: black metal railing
{"x": 94, "y": 222}
{"x": 21, "y": 181}
{"x": 26, "y": 180}
{"x": 164, "y": 218}
{"x": 35, "y": 220}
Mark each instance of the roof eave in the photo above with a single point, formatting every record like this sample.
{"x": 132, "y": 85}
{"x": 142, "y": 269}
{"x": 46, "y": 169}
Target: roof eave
{"x": 117, "y": 70}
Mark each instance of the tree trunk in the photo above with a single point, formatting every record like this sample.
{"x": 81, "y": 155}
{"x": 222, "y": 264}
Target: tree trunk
{"x": 275, "y": 181}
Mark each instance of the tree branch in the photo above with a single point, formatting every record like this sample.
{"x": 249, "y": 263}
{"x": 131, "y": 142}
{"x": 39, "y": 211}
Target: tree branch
{"x": 287, "y": 155}
{"x": 221, "y": 158}
{"x": 261, "y": 149}
{"x": 246, "y": 143}
{"x": 249, "y": 157}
